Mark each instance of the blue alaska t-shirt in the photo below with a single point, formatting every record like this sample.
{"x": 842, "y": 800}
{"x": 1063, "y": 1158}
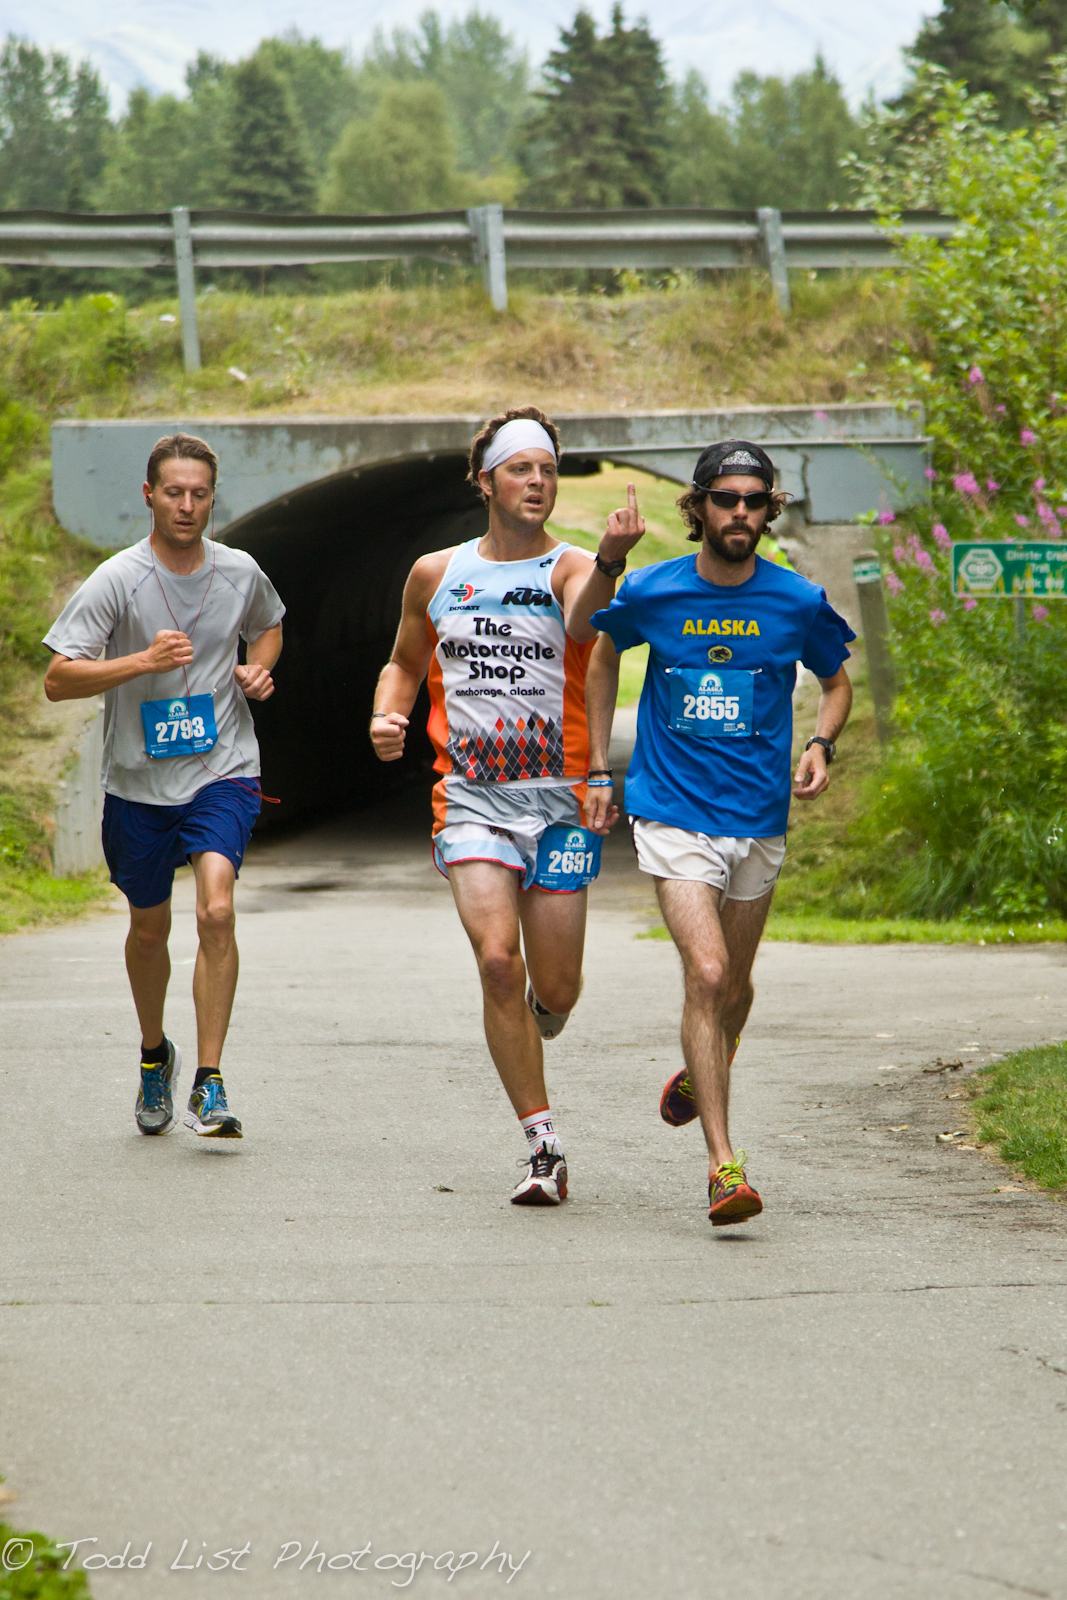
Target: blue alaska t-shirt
{"x": 715, "y": 722}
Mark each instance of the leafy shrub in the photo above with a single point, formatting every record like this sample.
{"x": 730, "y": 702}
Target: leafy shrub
{"x": 968, "y": 815}
{"x": 42, "y": 1578}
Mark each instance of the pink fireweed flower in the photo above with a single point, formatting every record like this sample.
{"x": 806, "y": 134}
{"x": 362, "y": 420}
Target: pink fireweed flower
{"x": 937, "y": 616}
{"x": 924, "y": 561}
{"x": 1028, "y": 436}
{"x": 941, "y": 536}
{"x": 1040, "y": 614}
{"x": 893, "y": 583}
{"x": 1039, "y": 484}
{"x": 970, "y": 603}
{"x": 1024, "y": 522}
{"x": 822, "y": 416}
{"x": 965, "y": 483}
{"x": 1061, "y": 511}
{"x": 900, "y": 555}
{"x": 928, "y": 472}
{"x": 992, "y": 485}
{"x": 1046, "y": 513}
{"x": 1002, "y": 409}
{"x": 885, "y": 518}
{"x": 975, "y": 376}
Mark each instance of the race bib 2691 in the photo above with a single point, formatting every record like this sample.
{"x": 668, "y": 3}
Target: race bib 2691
{"x": 567, "y": 858}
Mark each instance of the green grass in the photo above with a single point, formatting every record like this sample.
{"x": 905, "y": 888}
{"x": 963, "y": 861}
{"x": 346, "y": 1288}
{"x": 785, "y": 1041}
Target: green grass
{"x": 42, "y": 1578}
{"x": 440, "y": 347}
{"x": 38, "y": 565}
{"x": 1022, "y": 1110}
{"x": 819, "y": 928}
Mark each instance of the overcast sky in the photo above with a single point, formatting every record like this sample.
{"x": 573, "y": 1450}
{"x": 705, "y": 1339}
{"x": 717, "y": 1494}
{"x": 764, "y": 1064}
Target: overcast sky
{"x": 150, "y": 41}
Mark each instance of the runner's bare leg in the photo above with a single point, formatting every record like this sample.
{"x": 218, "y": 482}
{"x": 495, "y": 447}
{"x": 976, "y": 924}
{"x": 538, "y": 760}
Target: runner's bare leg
{"x": 148, "y": 967}
{"x": 215, "y": 972}
{"x": 717, "y": 951}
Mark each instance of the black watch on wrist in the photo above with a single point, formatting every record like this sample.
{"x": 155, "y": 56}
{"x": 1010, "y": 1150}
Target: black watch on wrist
{"x": 827, "y": 744}
{"x": 610, "y": 569}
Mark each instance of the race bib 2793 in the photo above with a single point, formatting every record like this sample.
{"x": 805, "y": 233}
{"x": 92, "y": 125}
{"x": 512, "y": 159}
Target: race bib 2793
{"x": 179, "y": 727}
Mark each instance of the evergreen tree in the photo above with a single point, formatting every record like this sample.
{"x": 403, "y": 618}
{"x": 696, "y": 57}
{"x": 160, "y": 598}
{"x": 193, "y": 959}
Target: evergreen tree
{"x": 600, "y": 137}
{"x": 54, "y": 129}
{"x": 170, "y": 152}
{"x": 268, "y": 165}
{"x": 980, "y": 43}
{"x": 401, "y": 158}
{"x": 323, "y": 87}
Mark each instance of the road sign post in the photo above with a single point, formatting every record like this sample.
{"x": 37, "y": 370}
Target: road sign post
{"x": 874, "y": 620}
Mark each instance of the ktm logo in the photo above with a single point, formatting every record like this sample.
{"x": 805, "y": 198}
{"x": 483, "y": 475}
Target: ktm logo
{"x": 526, "y": 597}
{"x": 465, "y": 592}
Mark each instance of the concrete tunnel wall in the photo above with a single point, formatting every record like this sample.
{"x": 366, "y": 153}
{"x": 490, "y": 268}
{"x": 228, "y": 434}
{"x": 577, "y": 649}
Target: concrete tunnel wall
{"x": 339, "y": 552}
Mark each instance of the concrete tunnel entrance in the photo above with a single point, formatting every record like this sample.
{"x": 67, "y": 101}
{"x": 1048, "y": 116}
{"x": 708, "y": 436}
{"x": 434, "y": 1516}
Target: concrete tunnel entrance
{"x": 339, "y": 552}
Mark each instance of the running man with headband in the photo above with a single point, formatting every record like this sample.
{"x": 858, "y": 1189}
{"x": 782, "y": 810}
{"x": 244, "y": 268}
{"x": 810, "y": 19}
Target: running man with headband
{"x": 709, "y": 784}
{"x": 155, "y": 630}
{"x": 485, "y": 621}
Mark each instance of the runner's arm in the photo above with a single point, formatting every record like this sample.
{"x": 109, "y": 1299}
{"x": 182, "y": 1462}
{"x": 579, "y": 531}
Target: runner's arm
{"x": 835, "y": 703}
{"x": 68, "y": 679}
{"x": 255, "y": 678}
{"x": 400, "y": 678}
{"x": 625, "y": 528}
{"x": 601, "y": 692}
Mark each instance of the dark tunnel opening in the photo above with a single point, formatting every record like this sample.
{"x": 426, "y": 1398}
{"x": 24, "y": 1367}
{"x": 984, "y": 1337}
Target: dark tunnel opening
{"x": 339, "y": 552}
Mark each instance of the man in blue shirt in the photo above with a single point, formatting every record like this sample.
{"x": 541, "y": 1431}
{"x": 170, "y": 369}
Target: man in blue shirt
{"x": 708, "y": 788}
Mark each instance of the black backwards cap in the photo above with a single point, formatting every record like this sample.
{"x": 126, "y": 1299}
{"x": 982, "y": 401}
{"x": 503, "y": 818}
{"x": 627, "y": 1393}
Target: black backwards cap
{"x": 739, "y": 456}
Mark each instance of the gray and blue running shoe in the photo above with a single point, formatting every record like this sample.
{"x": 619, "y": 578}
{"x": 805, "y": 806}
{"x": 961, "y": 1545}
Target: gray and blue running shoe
{"x": 155, "y": 1098}
{"x": 208, "y": 1115}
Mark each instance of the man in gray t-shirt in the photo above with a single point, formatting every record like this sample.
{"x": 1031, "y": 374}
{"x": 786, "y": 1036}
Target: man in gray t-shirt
{"x": 156, "y": 629}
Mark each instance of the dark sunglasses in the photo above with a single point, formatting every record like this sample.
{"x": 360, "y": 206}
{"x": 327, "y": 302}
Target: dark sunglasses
{"x": 726, "y": 500}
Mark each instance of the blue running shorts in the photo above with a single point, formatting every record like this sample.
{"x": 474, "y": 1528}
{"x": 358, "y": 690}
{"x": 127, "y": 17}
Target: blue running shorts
{"x": 144, "y": 844}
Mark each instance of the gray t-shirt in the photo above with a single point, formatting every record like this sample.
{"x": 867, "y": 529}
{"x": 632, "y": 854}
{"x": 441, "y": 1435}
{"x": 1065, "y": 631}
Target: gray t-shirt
{"x": 120, "y": 609}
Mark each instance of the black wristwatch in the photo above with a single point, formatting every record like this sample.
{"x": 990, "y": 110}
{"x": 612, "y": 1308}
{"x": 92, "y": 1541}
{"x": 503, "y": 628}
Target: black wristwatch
{"x": 827, "y": 744}
{"x": 611, "y": 569}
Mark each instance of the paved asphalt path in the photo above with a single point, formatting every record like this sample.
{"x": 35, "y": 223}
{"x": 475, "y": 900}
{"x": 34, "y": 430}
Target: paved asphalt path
{"x": 338, "y": 1333}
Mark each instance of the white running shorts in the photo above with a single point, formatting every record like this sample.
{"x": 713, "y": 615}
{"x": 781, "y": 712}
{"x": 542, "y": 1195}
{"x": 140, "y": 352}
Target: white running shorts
{"x": 743, "y": 869}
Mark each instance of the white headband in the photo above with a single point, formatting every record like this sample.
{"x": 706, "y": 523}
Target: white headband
{"x": 521, "y": 434}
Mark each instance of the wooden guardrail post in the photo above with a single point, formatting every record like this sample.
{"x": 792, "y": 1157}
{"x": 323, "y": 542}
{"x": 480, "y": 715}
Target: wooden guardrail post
{"x": 874, "y": 621}
{"x": 183, "y": 261}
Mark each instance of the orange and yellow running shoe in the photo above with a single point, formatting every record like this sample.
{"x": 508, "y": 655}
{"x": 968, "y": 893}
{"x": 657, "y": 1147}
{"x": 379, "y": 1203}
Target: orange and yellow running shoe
{"x": 730, "y": 1195}
{"x": 677, "y": 1103}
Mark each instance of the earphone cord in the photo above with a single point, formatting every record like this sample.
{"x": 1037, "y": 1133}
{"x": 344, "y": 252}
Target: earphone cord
{"x": 185, "y": 673}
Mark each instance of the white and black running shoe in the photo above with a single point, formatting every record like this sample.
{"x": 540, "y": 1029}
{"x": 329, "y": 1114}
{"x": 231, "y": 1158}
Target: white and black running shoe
{"x": 154, "y": 1108}
{"x": 545, "y": 1183}
{"x": 550, "y": 1023}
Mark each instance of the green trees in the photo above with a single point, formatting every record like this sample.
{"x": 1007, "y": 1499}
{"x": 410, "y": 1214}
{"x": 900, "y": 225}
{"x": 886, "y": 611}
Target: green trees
{"x": 994, "y": 48}
{"x": 269, "y": 168}
{"x": 600, "y": 136}
{"x": 54, "y": 129}
{"x": 789, "y": 137}
{"x": 480, "y": 71}
{"x": 401, "y": 158}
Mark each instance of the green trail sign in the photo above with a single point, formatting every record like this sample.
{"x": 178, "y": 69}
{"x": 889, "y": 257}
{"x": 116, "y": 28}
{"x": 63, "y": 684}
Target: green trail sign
{"x": 1029, "y": 569}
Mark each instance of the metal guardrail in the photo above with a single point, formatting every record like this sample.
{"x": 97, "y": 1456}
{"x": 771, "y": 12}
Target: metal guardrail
{"x": 487, "y": 236}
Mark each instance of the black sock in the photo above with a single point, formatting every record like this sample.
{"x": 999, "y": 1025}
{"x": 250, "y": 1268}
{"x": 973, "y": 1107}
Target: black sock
{"x": 156, "y": 1057}
{"x": 205, "y": 1072}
